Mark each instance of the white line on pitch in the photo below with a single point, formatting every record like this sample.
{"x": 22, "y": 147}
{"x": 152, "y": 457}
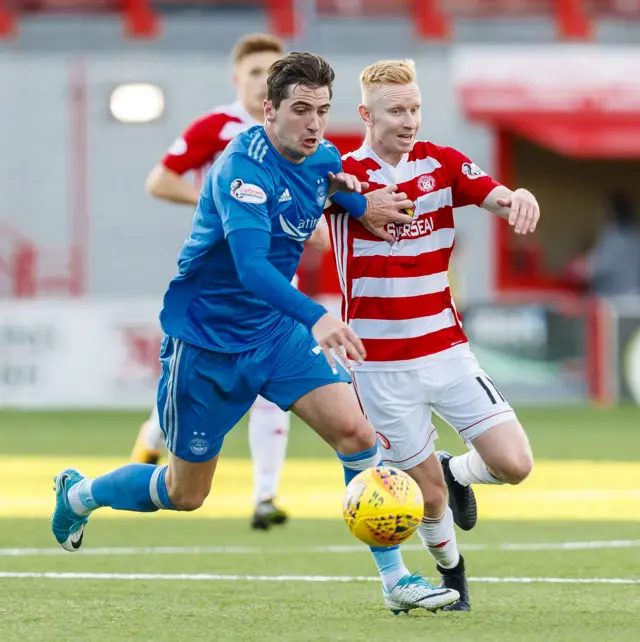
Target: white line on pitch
{"x": 298, "y": 578}
{"x": 285, "y": 550}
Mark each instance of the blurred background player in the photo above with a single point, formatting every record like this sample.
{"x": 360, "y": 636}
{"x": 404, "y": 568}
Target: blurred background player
{"x": 397, "y": 299}
{"x": 194, "y": 152}
{"x": 613, "y": 264}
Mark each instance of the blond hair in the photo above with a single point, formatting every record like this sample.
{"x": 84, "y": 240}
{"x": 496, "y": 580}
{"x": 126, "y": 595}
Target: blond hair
{"x": 387, "y": 72}
{"x": 256, "y": 43}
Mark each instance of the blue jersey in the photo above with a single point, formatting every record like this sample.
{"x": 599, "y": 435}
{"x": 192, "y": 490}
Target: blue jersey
{"x": 250, "y": 186}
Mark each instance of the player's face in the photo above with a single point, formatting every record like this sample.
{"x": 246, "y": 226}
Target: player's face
{"x": 299, "y": 123}
{"x": 393, "y": 117}
{"x": 250, "y": 78}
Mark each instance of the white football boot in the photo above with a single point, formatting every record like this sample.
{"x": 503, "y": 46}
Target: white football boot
{"x": 414, "y": 592}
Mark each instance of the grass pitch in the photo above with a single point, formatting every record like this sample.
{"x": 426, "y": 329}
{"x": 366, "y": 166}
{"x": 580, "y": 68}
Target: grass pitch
{"x": 555, "y": 559}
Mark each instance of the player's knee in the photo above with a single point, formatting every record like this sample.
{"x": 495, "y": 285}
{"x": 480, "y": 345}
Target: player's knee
{"x": 517, "y": 468}
{"x": 355, "y": 434}
{"x": 187, "y": 499}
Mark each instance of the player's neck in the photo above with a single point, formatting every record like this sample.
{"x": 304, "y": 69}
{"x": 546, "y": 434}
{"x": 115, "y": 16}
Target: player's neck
{"x": 256, "y": 114}
{"x": 391, "y": 158}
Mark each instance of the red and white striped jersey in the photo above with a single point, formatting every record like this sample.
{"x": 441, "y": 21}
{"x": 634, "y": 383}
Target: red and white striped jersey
{"x": 397, "y": 297}
{"x": 205, "y": 139}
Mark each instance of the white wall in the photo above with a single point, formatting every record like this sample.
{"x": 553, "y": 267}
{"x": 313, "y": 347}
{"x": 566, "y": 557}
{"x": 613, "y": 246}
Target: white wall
{"x": 134, "y": 239}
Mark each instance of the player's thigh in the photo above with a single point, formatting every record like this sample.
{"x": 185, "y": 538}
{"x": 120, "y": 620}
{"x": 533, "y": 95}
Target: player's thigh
{"x": 333, "y": 412}
{"x": 303, "y": 381}
{"x": 430, "y": 478}
{"x": 395, "y": 405}
{"x": 201, "y": 396}
{"x": 467, "y": 399}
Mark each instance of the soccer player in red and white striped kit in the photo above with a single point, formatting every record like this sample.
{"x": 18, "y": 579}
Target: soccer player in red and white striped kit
{"x": 396, "y": 297}
{"x": 194, "y": 152}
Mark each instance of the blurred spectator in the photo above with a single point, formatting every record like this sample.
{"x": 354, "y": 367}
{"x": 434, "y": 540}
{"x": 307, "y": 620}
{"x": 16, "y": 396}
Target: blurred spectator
{"x": 613, "y": 265}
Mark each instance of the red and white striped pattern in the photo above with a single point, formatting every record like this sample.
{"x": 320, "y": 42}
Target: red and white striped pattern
{"x": 205, "y": 139}
{"x": 397, "y": 297}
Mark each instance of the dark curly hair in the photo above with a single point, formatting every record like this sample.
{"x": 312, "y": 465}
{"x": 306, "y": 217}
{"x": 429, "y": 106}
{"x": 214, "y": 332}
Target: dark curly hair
{"x": 298, "y": 68}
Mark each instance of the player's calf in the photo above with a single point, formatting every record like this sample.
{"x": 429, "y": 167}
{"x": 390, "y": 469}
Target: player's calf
{"x": 189, "y": 483}
{"x": 436, "y": 531}
{"x": 435, "y": 497}
{"x": 186, "y": 500}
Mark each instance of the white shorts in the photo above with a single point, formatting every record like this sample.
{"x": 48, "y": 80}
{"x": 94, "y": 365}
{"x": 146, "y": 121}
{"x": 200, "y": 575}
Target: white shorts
{"x": 399, "y": 404}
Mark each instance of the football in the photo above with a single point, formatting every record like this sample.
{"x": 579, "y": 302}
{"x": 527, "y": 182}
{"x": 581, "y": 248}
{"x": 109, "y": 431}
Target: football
{"x": 382, "y": 506}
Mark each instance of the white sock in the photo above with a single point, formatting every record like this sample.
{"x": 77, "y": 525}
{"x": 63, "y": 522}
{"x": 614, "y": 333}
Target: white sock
{"x": 80, "y": 498}
{"x": 268, "y": 434}
{"x": 389, "y": 580}
{"x": 152, "y": 434}
{"x": 439, "y": 536}
{"x": 470, "y": 469}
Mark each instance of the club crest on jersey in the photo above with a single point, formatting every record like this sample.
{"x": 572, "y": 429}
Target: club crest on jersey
{"x": 300, "y": 233}
{"x": 246, "y": 192}
{"x": 321, "y": 193}
{"x": 426, "y": 183}
{"x": 472, "y": 171}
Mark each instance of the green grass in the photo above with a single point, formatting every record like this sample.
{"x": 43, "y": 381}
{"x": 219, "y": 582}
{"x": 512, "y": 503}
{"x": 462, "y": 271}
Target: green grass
{"x": 91, "y": 609}
{"x": 39, "y": 609}
{"x": 184, "y": 611}
{"x": 558, "y": 433}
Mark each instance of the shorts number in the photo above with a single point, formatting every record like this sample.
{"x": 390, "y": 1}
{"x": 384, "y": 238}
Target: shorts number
{"x": 487, "y": 385}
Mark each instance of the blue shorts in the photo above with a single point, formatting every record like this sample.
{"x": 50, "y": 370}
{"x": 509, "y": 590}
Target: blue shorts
{"x": 203, "y": 394}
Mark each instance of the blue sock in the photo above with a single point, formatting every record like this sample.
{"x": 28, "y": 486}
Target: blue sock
{"x": 135, "y": 487}
{"x": 389, "y": 564}
{"x": 356, "y": 463}
{"x": 388, "y": 560}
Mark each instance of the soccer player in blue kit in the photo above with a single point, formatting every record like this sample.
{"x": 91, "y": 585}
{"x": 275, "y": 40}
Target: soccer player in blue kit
{"x": 236, "y": 328}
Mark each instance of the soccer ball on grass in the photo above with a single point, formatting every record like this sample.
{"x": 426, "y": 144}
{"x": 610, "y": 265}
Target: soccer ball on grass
{"x": 382, "y": 506}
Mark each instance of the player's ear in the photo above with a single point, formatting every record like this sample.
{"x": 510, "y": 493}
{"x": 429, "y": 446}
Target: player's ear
{"x": 235, "y": 77}
{"x": 269, "y": 111}
{"x": 365, "y": 114}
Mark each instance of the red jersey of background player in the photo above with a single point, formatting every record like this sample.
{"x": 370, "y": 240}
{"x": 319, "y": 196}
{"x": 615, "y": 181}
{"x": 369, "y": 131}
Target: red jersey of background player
{"x": 205, "y": 139}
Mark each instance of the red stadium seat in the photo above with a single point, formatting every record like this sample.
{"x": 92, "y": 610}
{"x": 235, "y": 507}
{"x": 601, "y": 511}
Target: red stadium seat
{"x": 432, "y": 19}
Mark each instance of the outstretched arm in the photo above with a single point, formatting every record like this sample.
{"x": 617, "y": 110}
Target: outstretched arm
{"x": 167, "y": 185}
{"x": 197, "y": 146}
{"x": 250, "y": 248}
{"x": 520, "y": 208}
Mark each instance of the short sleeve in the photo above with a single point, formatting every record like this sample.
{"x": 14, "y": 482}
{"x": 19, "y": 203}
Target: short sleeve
{"x": 334, "y": 161}
{"x": 242, "y": 188}
{"x": 470, "y": 185}
{"x": 197, "y": 146}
